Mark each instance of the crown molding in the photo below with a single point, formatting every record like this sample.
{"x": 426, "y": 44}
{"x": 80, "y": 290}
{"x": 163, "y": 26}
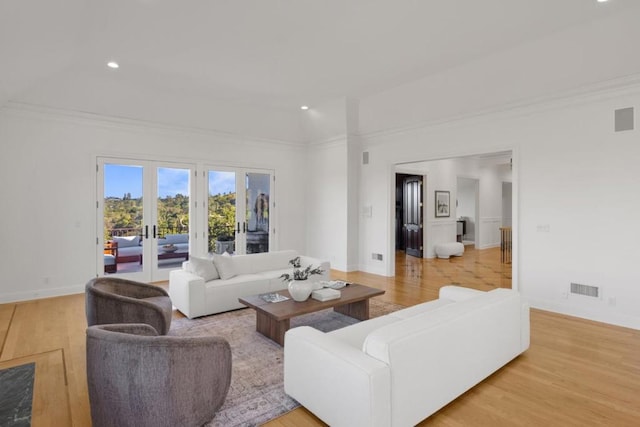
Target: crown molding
{"x": 600, "y": 91}
{"x": 135, "y": 125}
{"x": 334, "y": 141}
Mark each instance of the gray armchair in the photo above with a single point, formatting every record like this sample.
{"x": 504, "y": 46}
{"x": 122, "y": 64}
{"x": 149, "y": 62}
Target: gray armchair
{"x": 137, "y": 378}
{"x": 112, "y": 300}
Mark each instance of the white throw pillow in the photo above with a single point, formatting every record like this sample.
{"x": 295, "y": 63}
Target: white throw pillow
{"x": 225, "y": 266}
{"x": 204, "y": 268}
{"x": 127, "y": 241}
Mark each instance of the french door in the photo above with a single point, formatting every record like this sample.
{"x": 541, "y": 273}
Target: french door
{"x": 412, "y": 212}
{"x": 144, "y": 212}
{"x": 238, "y": 211}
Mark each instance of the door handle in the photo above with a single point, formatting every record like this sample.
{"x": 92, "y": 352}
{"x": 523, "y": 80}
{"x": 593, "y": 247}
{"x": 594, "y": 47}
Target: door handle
{"x": 146, "y": 231}
{"x": 238, "y": 226}
{"x": 154, "y": 231}
{"x": 244, "y": 227}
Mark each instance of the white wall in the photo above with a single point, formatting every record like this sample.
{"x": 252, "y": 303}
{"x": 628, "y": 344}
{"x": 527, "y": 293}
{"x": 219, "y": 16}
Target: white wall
{"x": 47, "y": 168}
{"x": 326, "y": 199}
{"x": 572, "y": 175}
{"x": 506, "y": 203}
{"x": 466, "y": 206}
{"x": 594, "y": 52}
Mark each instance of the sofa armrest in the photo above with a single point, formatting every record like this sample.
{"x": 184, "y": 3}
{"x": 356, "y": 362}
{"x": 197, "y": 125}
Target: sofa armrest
{"x": 187, "y": 292}
{"x": 337, "y": 382}
{"x": 458, "y": 293}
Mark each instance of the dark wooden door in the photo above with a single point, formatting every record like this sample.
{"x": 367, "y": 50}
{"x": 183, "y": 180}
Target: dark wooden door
{"x": 412, "y": 227}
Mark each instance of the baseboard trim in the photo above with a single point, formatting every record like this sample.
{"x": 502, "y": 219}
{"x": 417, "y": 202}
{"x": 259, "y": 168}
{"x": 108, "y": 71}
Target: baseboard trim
{"x": 616, "y": 319}
{"x": 40, "y": 294}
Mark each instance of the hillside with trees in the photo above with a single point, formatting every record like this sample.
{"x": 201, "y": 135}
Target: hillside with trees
{"x": 123, "y": 216}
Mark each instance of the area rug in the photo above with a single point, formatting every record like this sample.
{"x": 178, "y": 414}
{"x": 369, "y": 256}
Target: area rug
{"x": 257, "y": 393}
{"x": 16, "y": 395}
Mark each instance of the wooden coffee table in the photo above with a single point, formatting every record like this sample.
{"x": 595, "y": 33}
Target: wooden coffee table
{"x": 273, "y": 318}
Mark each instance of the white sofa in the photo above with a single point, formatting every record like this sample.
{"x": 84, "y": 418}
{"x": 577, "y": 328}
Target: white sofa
{"x": 398, "y": 369}
{"x": 232, "y": 277}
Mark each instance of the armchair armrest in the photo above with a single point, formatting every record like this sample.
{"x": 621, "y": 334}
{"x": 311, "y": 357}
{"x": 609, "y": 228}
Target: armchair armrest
{"x": 339, "y": 383}
{"x": 187, "y": 292}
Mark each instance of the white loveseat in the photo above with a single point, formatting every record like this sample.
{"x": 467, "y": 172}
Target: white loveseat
{"x": 398, "y": 369}
{"x": 232, "y": 277}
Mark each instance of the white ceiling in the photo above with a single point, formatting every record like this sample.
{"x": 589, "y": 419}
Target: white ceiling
{"x": 264, "y": 53}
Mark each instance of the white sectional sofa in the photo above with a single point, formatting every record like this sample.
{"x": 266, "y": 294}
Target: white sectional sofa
{"x": 205, "y": 286}
{"x": 398, "y": 369}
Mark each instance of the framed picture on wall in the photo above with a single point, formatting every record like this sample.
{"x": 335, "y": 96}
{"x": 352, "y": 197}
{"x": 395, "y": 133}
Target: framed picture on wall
{"x": 443, "y": 204}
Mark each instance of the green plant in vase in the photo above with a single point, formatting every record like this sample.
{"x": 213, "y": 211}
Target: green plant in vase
{"x": 299, "y": 287}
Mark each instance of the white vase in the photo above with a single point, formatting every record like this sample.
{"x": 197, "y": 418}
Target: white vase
{"x": 300, "y": 289}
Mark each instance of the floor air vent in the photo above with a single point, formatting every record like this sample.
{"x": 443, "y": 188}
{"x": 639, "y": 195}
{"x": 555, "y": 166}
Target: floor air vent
{"x": 590, "y": 291}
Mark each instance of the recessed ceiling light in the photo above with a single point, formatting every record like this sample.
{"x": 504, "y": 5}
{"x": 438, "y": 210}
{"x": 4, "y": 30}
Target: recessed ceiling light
{"x": 304, "y": 107}
{"x": 602, "y": 1}
{"x": 113, "y": 64}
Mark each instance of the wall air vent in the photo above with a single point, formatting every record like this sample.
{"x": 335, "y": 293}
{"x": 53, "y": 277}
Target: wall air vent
{"x": 365, "y": 157}
{"x": 624, "y": 119}
{"x": 586, "y": 290}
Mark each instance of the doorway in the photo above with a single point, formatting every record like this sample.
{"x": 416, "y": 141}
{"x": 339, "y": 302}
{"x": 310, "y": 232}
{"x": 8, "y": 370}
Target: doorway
{"x": 489, "y": 170}
{"x": 144, "y": 216}
{"x": 409, "y": 215}
{"x": 238, "y": 210}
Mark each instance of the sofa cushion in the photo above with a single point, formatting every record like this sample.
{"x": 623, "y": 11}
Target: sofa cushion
{"x": 379, "y": 343}
{"x": 173, "y": 239}
{"x": 405, "y": 313}
{"x": 354, "y": 335}
{"x": 127, "y": 241}
{"x": 129, "y": 251}
{"x": 225, "y": 265}
{"x": 203, "y": 267}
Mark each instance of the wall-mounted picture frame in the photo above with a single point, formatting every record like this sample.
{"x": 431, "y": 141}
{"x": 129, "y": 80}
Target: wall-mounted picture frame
{"x": 443, "y": 204}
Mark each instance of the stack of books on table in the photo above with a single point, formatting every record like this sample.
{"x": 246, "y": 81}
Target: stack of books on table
{"x": 325, "y": 294}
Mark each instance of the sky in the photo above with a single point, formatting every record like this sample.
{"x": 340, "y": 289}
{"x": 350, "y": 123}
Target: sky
{"x": 122, "y": 179}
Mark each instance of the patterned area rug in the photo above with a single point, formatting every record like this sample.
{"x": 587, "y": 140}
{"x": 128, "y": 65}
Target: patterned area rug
{"x": 257, "y": 393}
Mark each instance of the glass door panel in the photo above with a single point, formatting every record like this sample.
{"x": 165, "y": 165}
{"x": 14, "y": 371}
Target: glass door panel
{"x": 171, "y": 226}
{"x": 222, "y": 223}
{"x": 257, "y": 189}
{"x": 123, "y": 218}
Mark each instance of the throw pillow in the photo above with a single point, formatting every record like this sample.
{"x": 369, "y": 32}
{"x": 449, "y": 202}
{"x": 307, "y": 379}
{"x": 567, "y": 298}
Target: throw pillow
{"x": 127, "y": 241}
{"x": 204, "y": 268}
{"x": 225, "y": 267}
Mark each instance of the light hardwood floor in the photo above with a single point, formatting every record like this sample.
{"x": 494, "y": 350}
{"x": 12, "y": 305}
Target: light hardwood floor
{"x": 577, "y": 372}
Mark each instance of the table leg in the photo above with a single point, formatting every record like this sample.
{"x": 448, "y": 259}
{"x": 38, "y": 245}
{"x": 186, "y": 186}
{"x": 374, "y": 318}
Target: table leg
{"x": 272, "y": 328}
{"x": 358, "y": 310}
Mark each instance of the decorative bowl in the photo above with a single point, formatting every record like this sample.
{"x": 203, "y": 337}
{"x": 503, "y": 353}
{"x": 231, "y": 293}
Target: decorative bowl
{"x": 169, "y": 248}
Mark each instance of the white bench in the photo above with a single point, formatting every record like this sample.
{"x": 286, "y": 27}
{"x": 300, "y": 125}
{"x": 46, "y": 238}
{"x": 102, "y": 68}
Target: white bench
{"x": 445, "y": 250}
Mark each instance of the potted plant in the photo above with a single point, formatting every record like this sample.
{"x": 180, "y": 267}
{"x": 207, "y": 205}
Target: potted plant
{"x": 299, "y": 286}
